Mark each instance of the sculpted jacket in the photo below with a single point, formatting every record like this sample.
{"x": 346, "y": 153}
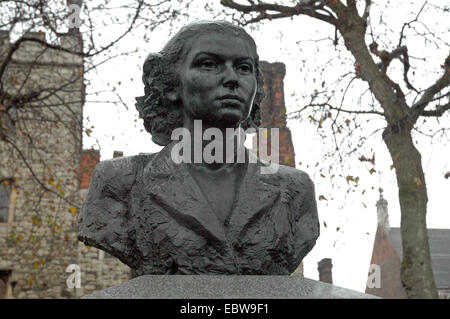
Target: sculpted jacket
{"x": 150, "y": 213}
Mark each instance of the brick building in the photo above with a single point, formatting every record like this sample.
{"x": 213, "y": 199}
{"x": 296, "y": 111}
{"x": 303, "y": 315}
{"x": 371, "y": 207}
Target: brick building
{"x": 387, "y": 255}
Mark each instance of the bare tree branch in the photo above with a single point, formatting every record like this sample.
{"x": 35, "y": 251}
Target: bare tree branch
{"x": 428, "y": 95}
{"x": 409, "y": 24}
{"x": 440, "y": 109}
{"x": 36, "y": 178}
{"x": 262, "y": 8}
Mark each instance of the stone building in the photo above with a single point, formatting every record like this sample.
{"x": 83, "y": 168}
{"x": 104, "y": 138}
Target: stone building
{"x": 40, "y": 174}
{"x": 387, "y": 257}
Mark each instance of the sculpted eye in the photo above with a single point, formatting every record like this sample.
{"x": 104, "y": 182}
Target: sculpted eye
{"x": 245, "y": 68}
{"x": 208, "y": 64}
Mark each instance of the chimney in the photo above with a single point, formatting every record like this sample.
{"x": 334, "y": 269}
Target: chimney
{"x": 73, "y": 40}
{"x": 382, "y": 212}
{"x": 35, "y": 35}
{"x": 117, "y": 154}
{"x": 324, "y": 267}
{"x": 88, "y": 160}
{"x": 273, "y": 113}
{"x": 73, "y": 30}
{"x": 4, "y": 39}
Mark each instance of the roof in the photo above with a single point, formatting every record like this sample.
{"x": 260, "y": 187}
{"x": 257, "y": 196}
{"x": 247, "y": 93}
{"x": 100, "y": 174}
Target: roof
{"x": 439, "y": 240}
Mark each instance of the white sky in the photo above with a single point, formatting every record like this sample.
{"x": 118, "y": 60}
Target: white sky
{"x": 118, "y": 128}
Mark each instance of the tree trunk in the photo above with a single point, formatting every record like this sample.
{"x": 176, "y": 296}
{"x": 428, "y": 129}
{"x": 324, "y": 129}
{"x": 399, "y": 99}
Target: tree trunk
{"x": 416, "y": 272}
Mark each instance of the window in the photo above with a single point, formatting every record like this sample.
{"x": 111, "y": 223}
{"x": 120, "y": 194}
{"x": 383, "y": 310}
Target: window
{"x": 5, "y": 191}
{"x": 5, "y": 287}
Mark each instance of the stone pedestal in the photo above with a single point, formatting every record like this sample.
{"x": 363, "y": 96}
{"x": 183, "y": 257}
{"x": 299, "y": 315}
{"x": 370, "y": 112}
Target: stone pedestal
{"x": 224, "y": 287}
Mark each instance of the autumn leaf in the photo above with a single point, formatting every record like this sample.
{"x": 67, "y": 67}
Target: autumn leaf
{"x": 19, "y": 238}
{"x": 73, "y": 210}
{"x": 372, "y": 170}
{"x": 88, "y": 132}
{"x": 31, "y": 280}
{"x": 350, "y": 178}
{"x": 362, "y": 158}
{"x": 447, "y": 175}
{"x": 312, "y": 119}
{"x": 321, "y": 197}
{"x": 417, "y": 181}
{"x": 36, "y": 220}
{"x": 325, "y": 224}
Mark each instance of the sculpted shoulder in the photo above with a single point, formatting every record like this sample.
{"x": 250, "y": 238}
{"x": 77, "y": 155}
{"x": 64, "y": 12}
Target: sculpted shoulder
{"x": 121, "y": 172}
{"x": 297, "y": 190}
{"x": 102, "y": 221}
{"x": 297, "y": 194}
{"x": 287, "y": 177}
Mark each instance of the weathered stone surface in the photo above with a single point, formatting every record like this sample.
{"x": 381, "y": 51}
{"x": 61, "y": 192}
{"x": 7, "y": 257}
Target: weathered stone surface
{"x": 226, "y": 287}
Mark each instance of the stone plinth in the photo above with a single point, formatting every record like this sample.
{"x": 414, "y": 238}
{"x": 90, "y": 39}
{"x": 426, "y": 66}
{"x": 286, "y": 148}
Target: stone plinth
{"x": 224, "y": 287}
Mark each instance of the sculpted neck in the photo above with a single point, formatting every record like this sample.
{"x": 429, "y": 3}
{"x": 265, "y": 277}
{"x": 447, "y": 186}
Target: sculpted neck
{"x": 214, "y": 147}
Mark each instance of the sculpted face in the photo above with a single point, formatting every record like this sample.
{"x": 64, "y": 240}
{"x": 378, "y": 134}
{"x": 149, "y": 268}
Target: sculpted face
{"x": 218, "y": 79}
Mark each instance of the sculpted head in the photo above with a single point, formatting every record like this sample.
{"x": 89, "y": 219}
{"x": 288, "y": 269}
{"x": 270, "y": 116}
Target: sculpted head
{"x": 209, "y": 70}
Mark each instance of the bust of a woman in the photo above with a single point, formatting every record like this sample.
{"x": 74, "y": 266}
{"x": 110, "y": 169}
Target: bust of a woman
{"x": 160, "y": 215}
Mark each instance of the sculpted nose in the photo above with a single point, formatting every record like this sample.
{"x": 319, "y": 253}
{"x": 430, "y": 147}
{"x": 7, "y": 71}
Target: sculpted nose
{"x": 230, "y": 78}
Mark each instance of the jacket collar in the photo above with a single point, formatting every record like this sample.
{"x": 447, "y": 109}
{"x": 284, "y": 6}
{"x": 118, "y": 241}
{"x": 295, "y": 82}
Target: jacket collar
{"x": 173, "y": 188}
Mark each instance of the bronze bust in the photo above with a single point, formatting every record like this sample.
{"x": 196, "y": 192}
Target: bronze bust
{"x": 161, "y": 216}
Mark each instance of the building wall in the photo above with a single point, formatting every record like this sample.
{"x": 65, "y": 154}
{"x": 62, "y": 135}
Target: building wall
{"x": 39, "y": 240}
{"x": 384, "y": 256}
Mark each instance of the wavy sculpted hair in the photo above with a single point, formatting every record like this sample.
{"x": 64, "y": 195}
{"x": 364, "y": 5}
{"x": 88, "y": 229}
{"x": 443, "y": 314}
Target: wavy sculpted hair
{"x": 162, "y": 114}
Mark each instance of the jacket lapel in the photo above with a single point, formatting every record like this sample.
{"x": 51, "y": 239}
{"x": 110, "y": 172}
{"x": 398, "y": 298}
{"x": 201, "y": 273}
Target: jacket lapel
{"x": 255, "y": 198}
{"x": 172, "y": 187}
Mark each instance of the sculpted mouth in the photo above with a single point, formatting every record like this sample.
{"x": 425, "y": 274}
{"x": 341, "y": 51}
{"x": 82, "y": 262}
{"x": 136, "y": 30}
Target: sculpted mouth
{"x": 231, "y": 97}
